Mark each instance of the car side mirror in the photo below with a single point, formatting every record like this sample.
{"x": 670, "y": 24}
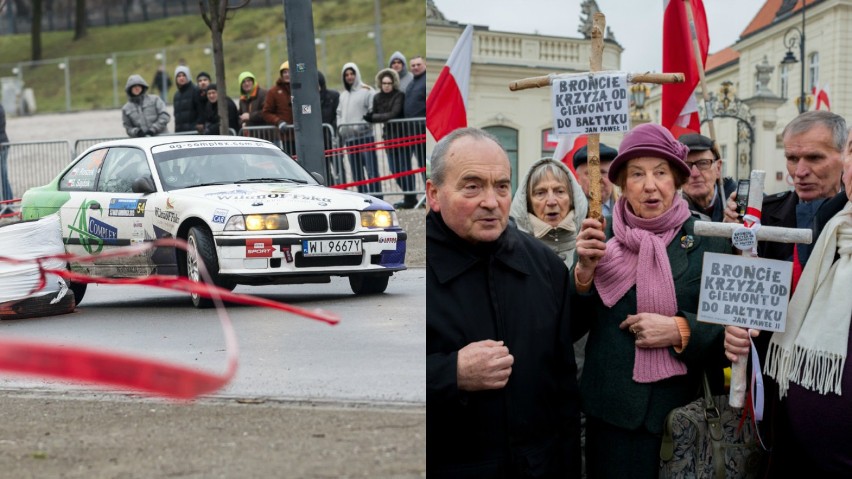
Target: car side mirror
{"x": 144, "y": 184}
{"x": 319, "y": 178}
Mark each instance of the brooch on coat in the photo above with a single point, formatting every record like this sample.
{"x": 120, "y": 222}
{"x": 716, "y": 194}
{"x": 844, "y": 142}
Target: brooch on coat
{"x": 687, "y": 241}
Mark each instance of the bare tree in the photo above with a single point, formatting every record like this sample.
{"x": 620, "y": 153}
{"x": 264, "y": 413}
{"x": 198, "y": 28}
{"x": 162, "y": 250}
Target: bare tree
{"x": 214, "y": 13}
{"x": 35, "y": 32}
{"x": 80, "y": 19}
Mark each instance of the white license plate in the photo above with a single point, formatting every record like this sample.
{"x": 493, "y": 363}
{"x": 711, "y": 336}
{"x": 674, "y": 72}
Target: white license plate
{"x": 331, "y": 247}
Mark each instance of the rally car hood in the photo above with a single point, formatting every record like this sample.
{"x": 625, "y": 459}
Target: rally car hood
{"x": 278, "y": 197}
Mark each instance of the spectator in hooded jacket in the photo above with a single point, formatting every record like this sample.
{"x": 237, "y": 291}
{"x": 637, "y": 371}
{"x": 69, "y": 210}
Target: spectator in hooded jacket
{"x": 252, "y": 97}
{"x": 399, "y": 64}
{"x": 278, "y": 109}
{"x": 355, "y": 102}
{"x": 212, "y": 122}
{"x": 387, "y": 105}
{"x": 329, "y": 100}
{"x": 186, "y": 110}
{"x": 203, "y": 81}
{"x": 143, "y": 115}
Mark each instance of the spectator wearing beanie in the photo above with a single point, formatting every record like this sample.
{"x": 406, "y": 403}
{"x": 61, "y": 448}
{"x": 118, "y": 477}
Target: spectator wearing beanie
{"x": 186, "y": 102}
{"x": 212, "y": 125}
{"x": 203, "y": 81}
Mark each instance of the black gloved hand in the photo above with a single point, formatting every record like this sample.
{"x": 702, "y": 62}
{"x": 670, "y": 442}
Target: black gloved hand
{"x": 150, "y": 133}
{"x": 140, "y": 133}
{"x": 369, "y": 117}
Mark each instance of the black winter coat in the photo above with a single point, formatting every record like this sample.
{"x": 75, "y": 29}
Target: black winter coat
{"x": 187, "y": 108}
{"x": 211, "y": 117}
{"x": 511, "y": 290}
{"x": 388, "y": 106}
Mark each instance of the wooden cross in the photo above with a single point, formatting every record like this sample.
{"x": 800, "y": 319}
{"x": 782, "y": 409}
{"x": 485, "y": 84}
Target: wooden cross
{"x": 596, "y": 65}
{"x": 764, "y": 233}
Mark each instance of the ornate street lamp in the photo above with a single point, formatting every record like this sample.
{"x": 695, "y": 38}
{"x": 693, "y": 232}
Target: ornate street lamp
{"x": 793, "y": 37}
{"x": 639, "y": 93}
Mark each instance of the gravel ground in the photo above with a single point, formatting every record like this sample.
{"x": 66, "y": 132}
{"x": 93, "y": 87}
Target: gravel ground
{"x": 86, "y": 435}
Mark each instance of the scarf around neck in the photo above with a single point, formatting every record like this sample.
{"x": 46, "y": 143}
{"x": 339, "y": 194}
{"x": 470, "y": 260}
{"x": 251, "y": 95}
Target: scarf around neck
{"x": 636, "y": 255}
{"x": 811, "y": 352}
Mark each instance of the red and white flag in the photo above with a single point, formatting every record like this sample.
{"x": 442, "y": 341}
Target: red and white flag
{"x": 446, "y": 106}
{"x": 566, "y": 147}
{"x": 821, "y": 98}
{"x": 680, "y": 110}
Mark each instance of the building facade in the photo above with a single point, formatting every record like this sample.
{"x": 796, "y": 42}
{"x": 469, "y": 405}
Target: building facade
{"x": 521, "y": 120}
{"x": 758, "y": 93}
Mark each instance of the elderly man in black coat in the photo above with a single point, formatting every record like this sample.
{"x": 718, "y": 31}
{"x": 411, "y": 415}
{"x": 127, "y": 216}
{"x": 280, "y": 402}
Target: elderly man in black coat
{"x": 501, "y": 388}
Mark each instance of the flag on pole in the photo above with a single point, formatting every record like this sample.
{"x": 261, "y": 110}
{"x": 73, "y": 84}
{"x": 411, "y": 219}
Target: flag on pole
{"x": 680, "y": 110}
{"x": 446, "y": 107}
{"x": 821, "y": 97}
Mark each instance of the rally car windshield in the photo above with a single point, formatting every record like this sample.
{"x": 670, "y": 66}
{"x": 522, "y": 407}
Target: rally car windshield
{"x": 191, "y": 167}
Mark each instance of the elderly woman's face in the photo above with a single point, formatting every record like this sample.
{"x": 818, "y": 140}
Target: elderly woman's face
{"x": 551, "y": 200}
{"x": 649, "y": 186}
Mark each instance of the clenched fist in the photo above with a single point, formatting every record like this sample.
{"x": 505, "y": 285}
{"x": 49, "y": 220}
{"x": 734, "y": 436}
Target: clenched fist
{"x": 484, "y": 365}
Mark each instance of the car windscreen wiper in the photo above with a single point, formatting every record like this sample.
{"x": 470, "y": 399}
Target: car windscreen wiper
{"x": 272, "y": 180}
{"x": 212, "y": 183}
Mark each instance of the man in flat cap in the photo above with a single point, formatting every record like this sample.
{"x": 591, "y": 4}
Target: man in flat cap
{"x": 581, "y": 160}
{"x": 705, "y": 166}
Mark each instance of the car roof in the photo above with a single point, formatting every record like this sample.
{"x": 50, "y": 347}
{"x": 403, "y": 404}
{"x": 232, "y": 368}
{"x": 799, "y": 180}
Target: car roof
{"x": 152, "y": 141}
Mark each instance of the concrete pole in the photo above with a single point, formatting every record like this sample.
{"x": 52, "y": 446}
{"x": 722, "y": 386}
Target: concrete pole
{"x": 302, "y": 55}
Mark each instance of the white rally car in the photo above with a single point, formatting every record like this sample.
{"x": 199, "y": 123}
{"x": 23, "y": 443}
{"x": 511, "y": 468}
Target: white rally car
{"x": 252, "y": 213}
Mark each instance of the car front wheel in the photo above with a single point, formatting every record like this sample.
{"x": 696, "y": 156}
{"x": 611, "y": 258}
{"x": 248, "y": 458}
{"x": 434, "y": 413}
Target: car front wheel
{"x": 201, "y": 247}
{"x": 368, "y": 283}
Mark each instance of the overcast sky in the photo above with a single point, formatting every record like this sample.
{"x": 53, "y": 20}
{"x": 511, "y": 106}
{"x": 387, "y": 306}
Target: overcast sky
{"x": 636, "y": 24}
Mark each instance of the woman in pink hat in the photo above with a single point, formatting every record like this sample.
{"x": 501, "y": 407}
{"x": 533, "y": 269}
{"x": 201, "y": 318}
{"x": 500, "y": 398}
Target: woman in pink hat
{"x": 636, "y": 287}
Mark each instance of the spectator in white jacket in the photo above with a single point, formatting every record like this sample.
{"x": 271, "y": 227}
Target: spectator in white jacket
{"x": 356, "y": 98}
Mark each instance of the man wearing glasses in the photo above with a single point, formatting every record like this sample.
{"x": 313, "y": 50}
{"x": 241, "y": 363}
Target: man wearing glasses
{"x": 705, "y": 167}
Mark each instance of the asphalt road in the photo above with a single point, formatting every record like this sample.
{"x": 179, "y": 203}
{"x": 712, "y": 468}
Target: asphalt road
{"x": 308, "y": 398}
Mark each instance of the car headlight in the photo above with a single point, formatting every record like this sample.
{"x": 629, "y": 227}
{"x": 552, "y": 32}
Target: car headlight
{"x": 378, "y": 219}
{"x": 257, "y": 222}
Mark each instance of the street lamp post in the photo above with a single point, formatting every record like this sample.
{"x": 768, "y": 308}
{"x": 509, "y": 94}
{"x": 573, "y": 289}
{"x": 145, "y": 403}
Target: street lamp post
{"x": 321, "y": 42}
{"x": 164, "y": 86}
{"x": 792, "y": 37}
{"x": 264, "y": 46}
{"x": 111, "y": 61}
{"x": 66, "y": 67}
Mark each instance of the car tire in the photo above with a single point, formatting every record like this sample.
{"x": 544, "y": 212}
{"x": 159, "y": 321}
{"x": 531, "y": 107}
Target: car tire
{"x": 201, "y": 246}
{"x": 368, "y": 283}
{"x": 37, "y": 307}
{"x": 79, "y": 290}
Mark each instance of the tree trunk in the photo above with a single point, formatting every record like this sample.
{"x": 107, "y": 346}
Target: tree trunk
{"x": 35, "y": 32}
{"x": 80, "y": 20}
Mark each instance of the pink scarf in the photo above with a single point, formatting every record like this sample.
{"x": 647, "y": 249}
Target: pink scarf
{"x": 636, "y": 254}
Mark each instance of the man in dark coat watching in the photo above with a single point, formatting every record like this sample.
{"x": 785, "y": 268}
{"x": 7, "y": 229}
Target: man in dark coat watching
{"x": 501, "y": 388}
{"x": 186, "y": 102}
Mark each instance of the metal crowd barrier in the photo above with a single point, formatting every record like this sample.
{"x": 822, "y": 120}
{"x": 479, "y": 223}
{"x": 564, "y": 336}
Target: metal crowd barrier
{"x": 30, "y": 164}
{"x": 372, "y": 151}
{"x": 84, "y": 144}
{"x": 400, "y": 149}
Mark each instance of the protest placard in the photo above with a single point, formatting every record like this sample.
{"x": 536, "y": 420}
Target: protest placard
{"x": 745, "y": 292}
{"x": 588, "y": 103}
